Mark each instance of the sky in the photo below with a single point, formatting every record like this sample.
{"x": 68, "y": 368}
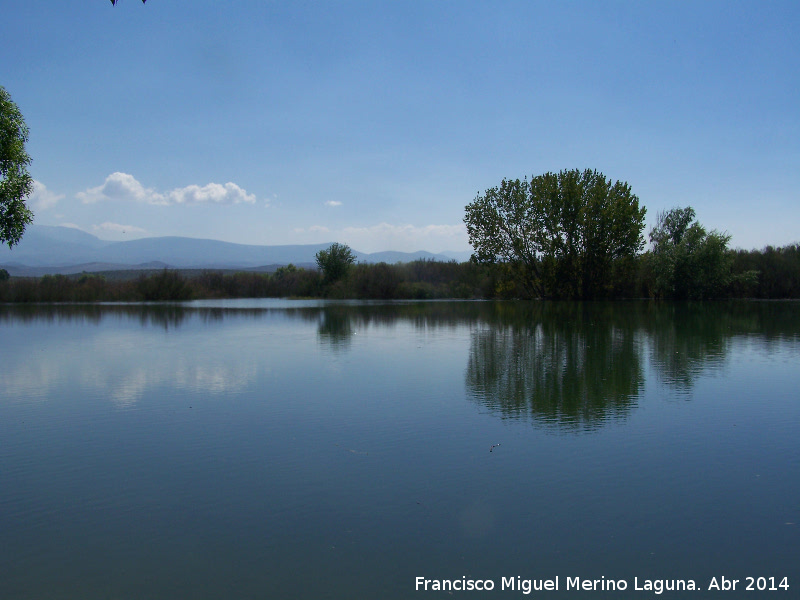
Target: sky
{"x": 375, "y": 123}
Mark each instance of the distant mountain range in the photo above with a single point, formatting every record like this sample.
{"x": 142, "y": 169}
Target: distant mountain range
{"x": 45, "y": 249}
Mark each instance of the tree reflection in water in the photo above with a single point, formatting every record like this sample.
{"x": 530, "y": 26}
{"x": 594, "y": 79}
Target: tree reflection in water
{"x": 336, "y": 327}
{"x": 568, "y": 365}
{"x": 577, "y": 366}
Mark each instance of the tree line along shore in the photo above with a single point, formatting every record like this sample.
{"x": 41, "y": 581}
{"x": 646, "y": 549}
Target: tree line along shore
{"x": 769, "y": 273}
{"x": 574, "y": 235}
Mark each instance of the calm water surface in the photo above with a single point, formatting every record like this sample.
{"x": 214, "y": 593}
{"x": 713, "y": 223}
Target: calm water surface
{"x": 276, "y": 449}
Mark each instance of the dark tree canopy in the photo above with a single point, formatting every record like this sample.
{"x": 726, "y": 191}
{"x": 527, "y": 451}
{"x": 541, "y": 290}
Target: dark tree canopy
{"x": 687, "y": 261}
{"x": 15, "y": 182}
{"x": 335, "y": 261}
{"x": 572, "y": 234}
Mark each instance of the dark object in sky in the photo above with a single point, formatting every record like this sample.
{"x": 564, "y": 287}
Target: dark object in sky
{"x": 493, "y": 447}
{"x": 114, "y": 2}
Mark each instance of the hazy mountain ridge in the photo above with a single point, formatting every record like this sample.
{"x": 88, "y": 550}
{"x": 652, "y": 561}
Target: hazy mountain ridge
{"x": 47, "y": 249}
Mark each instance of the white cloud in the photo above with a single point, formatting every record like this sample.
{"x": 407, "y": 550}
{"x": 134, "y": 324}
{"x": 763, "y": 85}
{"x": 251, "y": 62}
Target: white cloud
{"x": 42, "y": 198}
{"x": 121, "y": 186}
{"x": 333, "y": 203}
{"x": 230, "y": 193}
{"x": 124, "y": 187}
{"x": 117, "y": 228}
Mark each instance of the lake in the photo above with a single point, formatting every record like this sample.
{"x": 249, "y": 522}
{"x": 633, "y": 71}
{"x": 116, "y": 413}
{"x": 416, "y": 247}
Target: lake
{"x": 311, "y": 449}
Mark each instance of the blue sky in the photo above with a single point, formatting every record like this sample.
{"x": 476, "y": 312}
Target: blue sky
{"x": 375, "y": 123}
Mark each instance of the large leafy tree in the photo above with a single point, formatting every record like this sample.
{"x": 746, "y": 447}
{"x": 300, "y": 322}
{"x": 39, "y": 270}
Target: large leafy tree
{"x": 15, "y": 182}
{"x": 335, "y": 261}
{"x": 687, "y": 261}
{"x": 571, "y": 234}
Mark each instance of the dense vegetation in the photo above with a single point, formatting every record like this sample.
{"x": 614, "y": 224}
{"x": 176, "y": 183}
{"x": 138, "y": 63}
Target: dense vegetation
{"x": 576, "y": 235}
{"x": 568, "y": 235}
{"x": 689, "y": 263}
{"x": 572, "y": 234}
{"x": 771, "y": 273}
{"x": 777, "y": 272}
{"x": 416, "y": 280}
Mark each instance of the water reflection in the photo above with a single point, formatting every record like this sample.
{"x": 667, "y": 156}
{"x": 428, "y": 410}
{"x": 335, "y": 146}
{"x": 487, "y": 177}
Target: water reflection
{"x": 688, "y": 340}
{"x": 336, "y": 327}
{"x": 576, "y": 366}
{"x": 572, "y": 366}
{"x": 146, "y": 449}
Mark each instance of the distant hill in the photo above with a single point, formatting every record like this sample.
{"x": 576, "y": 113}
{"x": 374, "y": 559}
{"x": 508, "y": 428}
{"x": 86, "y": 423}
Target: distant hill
{"x": 45, "y": 249}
